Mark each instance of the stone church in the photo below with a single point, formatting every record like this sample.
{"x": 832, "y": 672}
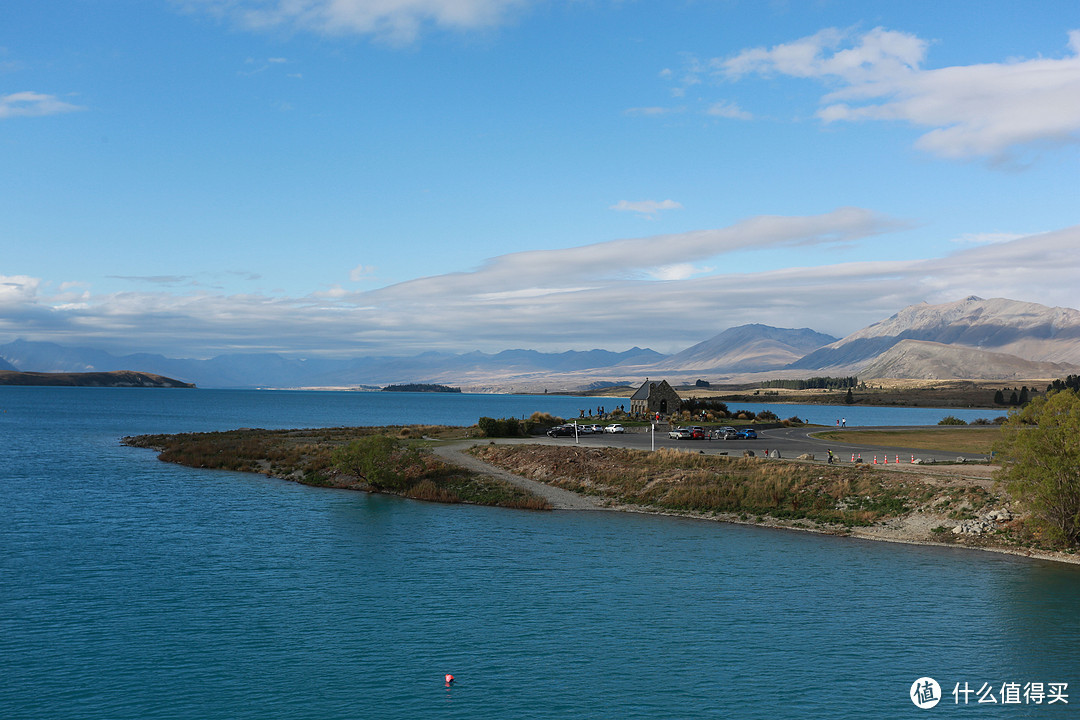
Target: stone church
{"x": 655, "y": 397}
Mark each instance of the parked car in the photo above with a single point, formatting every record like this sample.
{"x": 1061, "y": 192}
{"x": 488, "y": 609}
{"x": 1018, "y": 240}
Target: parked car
{"x": 561, "y": 431}
{"x": 616, "y": 428}
{"x": 725, "y": 433}
{"x": 746, "y": 434}
{"x": 679, "y": 434}
{"x": 697, "y": 432}
{"x": 596, "y": 428}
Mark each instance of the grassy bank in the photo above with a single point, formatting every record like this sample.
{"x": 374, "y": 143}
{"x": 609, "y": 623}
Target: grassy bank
{"x": 308, "y": 457}
{"x": 679, "y": 481}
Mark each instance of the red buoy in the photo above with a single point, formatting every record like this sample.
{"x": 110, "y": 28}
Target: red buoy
{"x": 449, "y": 678}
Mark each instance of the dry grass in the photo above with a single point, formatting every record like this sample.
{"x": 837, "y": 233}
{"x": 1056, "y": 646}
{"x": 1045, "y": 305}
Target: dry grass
{"x": 689, "y": 482}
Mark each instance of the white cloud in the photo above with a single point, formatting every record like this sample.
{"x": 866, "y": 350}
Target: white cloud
{"x": 986, "y": 110}
{"x": 986, "y": 238}
{"x": 678, "y": 271}
{"x": 33, "y": 104}
{"x": 648, "y": 208}
{"x": 728, "y": 109}
{"x": 643, "y": 291}
{"x": 362, "y": 272}
{"x": 398, "y": 21}
{"x": 654, "y": 110}
{"x": 875, "y": 57}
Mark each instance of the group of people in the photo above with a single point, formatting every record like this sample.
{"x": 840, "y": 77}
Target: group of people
{"x": 601, "y": 412}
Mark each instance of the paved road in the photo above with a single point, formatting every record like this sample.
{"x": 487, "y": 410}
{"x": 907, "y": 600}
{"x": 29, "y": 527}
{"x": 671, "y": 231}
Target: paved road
{"x": 789, "y": 442}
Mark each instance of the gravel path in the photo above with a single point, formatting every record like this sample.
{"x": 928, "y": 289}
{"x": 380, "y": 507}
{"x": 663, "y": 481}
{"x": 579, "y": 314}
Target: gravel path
{"x": 560, "y": 499}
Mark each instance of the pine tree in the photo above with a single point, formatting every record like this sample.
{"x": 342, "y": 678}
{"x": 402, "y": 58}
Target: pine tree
{"x": 999, "y": 398}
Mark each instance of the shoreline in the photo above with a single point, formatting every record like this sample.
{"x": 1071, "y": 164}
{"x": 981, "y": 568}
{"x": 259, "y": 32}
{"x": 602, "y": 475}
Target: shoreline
{"x": 881, "y": 532}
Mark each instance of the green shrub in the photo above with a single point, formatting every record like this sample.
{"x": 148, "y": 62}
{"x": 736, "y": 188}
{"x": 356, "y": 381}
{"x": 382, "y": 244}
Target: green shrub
{"x": 501, "y": 427}
{"x": 377, "y": 459}
{"x": 950, "y": 420}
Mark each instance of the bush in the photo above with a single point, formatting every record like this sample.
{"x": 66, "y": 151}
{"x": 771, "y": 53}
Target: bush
{"x": 378, "y": 460}
{"x": 543, "y": 419}
{"x": 502, "y": 427}
{"x": 766, "y": 416}
{"x": 981, "y": 421}
{"x": 950, "y": 420}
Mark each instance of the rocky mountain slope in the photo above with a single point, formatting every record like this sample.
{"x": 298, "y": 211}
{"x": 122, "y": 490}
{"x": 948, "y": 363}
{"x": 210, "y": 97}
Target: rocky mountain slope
{"x": 922, "y": 360}
{"x": 1028, "y": 332}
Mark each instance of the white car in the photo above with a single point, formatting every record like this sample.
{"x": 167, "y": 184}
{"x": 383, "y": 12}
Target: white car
{"x": 616, "y": 428}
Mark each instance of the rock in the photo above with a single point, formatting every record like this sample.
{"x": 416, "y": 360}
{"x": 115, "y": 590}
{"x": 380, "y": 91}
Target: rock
{"x": 958, "y": 529}
{"x": 960, "y": 460}
{"x": 774, "y": 454}
{"x": 747, "y": 453}
{"x": 806, "y": 456}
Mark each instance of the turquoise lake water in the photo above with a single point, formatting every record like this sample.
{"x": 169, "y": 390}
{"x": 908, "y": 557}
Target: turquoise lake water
{"x": 130, "y": 588}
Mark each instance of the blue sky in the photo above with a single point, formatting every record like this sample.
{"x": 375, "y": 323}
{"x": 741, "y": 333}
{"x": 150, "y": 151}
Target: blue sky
{"x": 353, "y": 177}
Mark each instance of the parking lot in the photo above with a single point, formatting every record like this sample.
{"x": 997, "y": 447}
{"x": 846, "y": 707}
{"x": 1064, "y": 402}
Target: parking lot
{"x": 789, "y": 442}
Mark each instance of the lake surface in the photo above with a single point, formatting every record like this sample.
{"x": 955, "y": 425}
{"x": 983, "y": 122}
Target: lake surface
{"x": 130, "y": 588}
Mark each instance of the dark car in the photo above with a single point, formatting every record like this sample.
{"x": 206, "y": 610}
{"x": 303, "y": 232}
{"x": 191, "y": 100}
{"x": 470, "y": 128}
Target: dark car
{"x": 726, "y": 433}
{"x": 561, "y": 431}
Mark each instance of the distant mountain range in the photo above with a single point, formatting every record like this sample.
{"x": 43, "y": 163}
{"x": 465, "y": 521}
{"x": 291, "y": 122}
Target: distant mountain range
{"x": 971, "y": 339}
{"x": 747, "y": 348}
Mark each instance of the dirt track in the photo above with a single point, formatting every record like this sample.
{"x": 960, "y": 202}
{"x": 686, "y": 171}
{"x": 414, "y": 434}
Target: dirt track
{"x": 560, "y": 499}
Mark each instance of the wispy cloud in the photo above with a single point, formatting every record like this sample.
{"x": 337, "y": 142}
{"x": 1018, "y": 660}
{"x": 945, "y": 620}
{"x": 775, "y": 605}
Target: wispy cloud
{"x": 728, "y": 109}
{"x": 395, "y": 21}
{"x": 986, "y": 238}
{"x": 650, "y": 291}
{"x": 655, "y": 110}
{"x": 362, "y": 272}
{"x": 646, "y": 208}
{"x": 34, "y": 104}
{"x": 987, "y": 110}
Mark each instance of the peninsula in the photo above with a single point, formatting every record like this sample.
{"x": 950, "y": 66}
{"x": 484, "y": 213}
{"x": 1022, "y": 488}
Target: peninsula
{"x": 116, "y": 378}
{"x": 936, "y": 503}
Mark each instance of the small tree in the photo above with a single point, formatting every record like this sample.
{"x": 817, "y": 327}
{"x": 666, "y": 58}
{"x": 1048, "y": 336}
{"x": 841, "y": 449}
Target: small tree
{"x": 849, "y": 398}
{"x": 1040, "y": 452}
{"x": 378, "y": 460}
{"x": 999, "y": 398}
